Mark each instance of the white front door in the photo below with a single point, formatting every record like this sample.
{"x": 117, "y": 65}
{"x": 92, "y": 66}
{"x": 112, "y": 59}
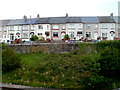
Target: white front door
{"x": 112, "y": 35}
{"x": 95, "y": 36}
{"x": 62, "y": 35}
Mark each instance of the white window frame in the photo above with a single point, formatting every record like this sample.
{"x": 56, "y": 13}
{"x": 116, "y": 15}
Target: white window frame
{"x": 63, "y": 26}
{"x": 71, "y": 34}
{"x": 25, "y": 27}
{"x": 55, "y": 26}
{"x": 55, "y": 33}
{"x": 104, "y": 26}
{"x": 89, "y": 34}
{"x": 40, "y": 26}
{"x": 71, "y": 26}
{"x": 104, "y": 35}
{"x": 25, "y": 35}
{"x": 112, "y": 26}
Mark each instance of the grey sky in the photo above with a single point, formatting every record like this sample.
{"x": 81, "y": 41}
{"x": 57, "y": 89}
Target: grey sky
{"x": 15, "y": 9}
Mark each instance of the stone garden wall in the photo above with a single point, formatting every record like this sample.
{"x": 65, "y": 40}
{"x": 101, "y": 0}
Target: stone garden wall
{"x": 46, "y": 47}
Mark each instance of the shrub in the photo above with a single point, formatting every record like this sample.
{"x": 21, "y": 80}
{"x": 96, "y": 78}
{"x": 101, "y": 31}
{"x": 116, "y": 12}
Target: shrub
{"x": 66, "y": 37}
{"x": 3, "y": 44}
{"x": 113, "y": 44}
{"x": 10, "y": 60}
{"x": 34, "y": 38}
{"x": 110, "y": 62}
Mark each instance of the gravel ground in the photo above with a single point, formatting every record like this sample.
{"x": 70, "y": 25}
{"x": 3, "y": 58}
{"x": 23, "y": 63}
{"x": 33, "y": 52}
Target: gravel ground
{"x": 4, "y": 86}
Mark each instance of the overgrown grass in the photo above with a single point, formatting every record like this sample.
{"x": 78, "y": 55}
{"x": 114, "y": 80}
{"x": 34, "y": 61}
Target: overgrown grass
{"x": 79, "y": 69}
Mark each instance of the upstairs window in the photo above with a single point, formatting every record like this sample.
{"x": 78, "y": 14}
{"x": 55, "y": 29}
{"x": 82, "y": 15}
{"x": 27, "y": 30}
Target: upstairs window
{"x": 47, "y": 26}
{"x": 112, "y": 26}
{"x": 19, "y": 27}
{"x": 55, "y": 27}
{"x": 104, "y": 26}
{"x": 79, "y": 25}
{"x": 40, "y": 26}
{"x": 32, "y": 27}
{"x": 71, "y": 25}
{"x": 5, "y": 28}
{"x": 87, "y": 26}
{"x": 25, "y": 27}
{"x": 11, "y": 27}
{"x": 63, "y": 26}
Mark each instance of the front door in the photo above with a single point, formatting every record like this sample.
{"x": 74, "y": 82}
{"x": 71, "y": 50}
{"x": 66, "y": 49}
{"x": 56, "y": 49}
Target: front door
{"x": 11, "y": 37}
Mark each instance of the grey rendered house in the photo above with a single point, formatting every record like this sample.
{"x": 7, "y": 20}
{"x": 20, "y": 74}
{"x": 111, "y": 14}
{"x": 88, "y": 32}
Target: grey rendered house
{"x": 90, "y": 27}
{"x": 4, "y": 30}
{"x": 107, "y": 27}
{"x": 21, "y": 29}
{"x": 74, "y": 27}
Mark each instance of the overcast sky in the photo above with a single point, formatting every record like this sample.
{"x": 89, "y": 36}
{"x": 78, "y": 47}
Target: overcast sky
{"x": 16, "y": 9}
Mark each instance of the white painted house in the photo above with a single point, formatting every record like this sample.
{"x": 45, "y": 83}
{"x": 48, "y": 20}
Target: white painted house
{"x": 55, "y": 28}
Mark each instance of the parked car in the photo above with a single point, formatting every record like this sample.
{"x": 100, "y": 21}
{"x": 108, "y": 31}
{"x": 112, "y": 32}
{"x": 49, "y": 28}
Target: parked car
{"x": 95, "y": 40}
{"x": 28, "y": 42}
{"x": 72, "y": 41}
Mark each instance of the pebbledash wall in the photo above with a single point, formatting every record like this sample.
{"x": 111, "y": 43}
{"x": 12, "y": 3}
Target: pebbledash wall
{"x": 54, "y": 28}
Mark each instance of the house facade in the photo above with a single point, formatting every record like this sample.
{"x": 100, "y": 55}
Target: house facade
{"x": 55, "y": 28}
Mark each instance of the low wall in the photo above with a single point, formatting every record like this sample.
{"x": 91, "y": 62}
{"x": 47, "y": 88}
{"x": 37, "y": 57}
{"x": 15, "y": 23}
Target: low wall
{"x": 46, "y": 47}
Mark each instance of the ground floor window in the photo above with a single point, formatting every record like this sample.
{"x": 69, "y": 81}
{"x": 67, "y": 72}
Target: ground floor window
{"x": 25, "y": 35}
{"x": 71, "y": 34}
{"x": 88, "y": 34}
{"x": 118, "y": 35}
{"x": 39, "y": 33}
{"x": 104, "y": 35}
{"x": 55, "y": 34}
{"x": 79, "y": 32}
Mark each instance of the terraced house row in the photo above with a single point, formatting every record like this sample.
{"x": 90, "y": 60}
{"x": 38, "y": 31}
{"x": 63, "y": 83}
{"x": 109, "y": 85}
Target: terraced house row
{"x": 54, "y": 28}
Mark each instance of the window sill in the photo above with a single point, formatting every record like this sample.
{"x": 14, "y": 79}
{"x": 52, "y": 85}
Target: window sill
{"x": 55, "y": 29}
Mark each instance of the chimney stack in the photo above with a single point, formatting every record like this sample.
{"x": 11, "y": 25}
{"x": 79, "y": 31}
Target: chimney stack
{"x": 111, "y": 15}
{"x": 24, "y": 17}
{"x": 66, "y": 14}
{"x": 38, "y": 16}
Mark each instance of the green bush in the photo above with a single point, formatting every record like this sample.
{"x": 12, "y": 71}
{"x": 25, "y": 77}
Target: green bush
{"x": 3, "y": 44}
{"x": 112, "y": 44}
{"x": 110, "y": 62}
{"x": 66, "y": 37}
{"x": 97, "y": 83}
{"x": 34, "y": 38}
{"x": 10, "y": 60}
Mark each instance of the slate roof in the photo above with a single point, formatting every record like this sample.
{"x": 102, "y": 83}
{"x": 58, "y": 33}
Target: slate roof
{"x": 106, "y": 19}
{"x": 57, "y": 20}
{"x": 61, "y": 20}
{"x": 4, "y": 22}
{"x": 90, "y": 19}
{"x": 74, "y": 20}
{"x": 23, "y": 21}
{"x": 117, "y": 19}
{"x": 42, "y": 21}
